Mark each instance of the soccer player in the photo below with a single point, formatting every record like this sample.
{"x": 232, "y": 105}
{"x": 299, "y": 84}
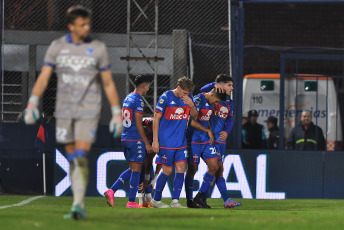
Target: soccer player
{"x": 202, "y": 140}
{"x": 78, "y": 61}
{"x": 221, "y": 123}
{"x": 170, "y": 118}
{"x": 134, "y": 141}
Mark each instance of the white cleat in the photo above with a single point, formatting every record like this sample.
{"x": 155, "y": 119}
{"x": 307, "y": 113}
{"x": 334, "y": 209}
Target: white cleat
{"x": 159, "y": 204}
{"x": 175, "y": 204}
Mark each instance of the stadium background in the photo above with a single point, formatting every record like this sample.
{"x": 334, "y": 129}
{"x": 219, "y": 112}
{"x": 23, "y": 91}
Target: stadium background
{"x": 193, "y": 40}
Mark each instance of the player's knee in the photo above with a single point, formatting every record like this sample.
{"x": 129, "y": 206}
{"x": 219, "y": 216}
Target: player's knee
{"x": 167, "y": 170}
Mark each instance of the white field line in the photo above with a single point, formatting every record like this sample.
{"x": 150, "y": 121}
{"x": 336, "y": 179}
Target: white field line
{"x": 24, "y": 202}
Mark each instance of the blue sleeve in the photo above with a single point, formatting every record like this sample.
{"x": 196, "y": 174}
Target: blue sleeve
{"x": 229, "y": 124}
{"x": 198, "y": 102}
{"x": 208, "y": 87}
{"x": 161, "y": 105}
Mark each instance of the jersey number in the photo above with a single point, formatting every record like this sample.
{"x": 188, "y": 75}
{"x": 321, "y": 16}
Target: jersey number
{"x": 126, "y": 117}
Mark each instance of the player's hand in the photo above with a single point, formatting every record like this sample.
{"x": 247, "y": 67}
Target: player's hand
{"x": 187, "y": 100}
{"x": 116, "y": 125}
{"x": 143, "y": 186}
{"x": 219, "y": 87}
{"x": 211, "y": 136}
{"x": 149, "y": 148}
{"x": 156, "y": 146}
{"x": 223, "y": 135}
{"x": 31, "y": 113}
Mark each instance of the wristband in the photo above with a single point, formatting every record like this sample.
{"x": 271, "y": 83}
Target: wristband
{"x": 147, "y": 176}
{"x": 34, "y": 100}
{"x": 116, "y": 110}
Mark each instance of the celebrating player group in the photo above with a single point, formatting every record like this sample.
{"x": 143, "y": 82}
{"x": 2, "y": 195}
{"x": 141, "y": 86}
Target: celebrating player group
{"x": 198, "y": 126}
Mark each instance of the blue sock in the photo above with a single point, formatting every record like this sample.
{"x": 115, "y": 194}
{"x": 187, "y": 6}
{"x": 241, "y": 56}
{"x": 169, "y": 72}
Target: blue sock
{"x": 134, "y": 185}
{"x": 149, "y": 189}
{"x": 210, "y": 190}
{"x": 121, "y": 179}
{"x": 189, "y": 188}
{"x": 177, "y": 185}
{"x": 221, "y": 185}
{"x": 207, "y": 179}
{"x": 160, "y": 184}
{"x": 77, "y": 153}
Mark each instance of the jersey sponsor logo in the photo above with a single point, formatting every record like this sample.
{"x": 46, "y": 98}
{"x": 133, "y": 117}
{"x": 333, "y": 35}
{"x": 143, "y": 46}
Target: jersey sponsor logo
{"x": 75, "y": 79}
{"x": 159, "y": 108}
{"x": 76, "y": 62}
{"x": 125, "y": 104}
{"x": 204, "y": 114}
{"x": 221, "y": 111}
{"x": 139, "y": 108}
{"x": 177, "y": 113}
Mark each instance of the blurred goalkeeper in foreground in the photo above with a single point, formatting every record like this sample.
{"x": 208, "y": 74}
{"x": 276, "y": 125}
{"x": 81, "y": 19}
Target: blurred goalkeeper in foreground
{"x": 79, "y": 62}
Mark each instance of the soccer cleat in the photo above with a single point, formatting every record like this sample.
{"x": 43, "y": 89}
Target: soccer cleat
{"x": 175, "y": 204}
{"x": 191, "y": 204}
{"x": 146, "y": 205}
{"x": 109, "y": 195}
{"x": 159, "y": 204}
{"x": 76, "y": 213}
{"x": 132, "y": 205}
{"x": 200, "y": 200}
{"x": 229, "y": 203}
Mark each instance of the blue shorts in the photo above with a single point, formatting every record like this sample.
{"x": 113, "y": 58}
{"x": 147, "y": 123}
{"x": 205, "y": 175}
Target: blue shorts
{"x": 205, "y": 151}
{"x": 158, "y": 160}
{"x": 221, "y": 149}
{"x": 170, "y": 156}
{"x": 134, "y": 151}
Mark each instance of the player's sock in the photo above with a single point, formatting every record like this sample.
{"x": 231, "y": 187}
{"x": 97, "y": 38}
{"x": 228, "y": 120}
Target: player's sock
{"x": 79, "y": 178}
{"x": 148, "y": 197}
{"x": 121, "y": 180}
{"x": 160, "y": 184}
{"x": 134, "y": 185}
{"x": 209, "y": 191}
{"x": 177, "y": 185}
{"x": 207, "y": 179}
{"x": 149, "y": 189}
{"x": 221, "y": 185}
{"x": 141, "y": 197}
{"x": 189, "y": 188}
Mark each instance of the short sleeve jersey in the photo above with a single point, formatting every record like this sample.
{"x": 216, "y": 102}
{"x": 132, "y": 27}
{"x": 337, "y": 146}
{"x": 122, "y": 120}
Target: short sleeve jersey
{"x": 132, "y": 104}
{"x": 204, "y": 110}
{"x": 221, "y": 112}
{"x": 172, "y": 125}
{"x": 77, "y": 67}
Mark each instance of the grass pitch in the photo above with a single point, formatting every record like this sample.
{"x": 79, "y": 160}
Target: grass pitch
{"x": 47, "y": 213}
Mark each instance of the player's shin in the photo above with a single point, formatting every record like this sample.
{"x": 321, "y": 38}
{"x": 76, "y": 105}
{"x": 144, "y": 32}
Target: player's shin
{"x": 79, "y": 178}
{"x": 134, "y": 185}
{"x": 160, "y": 184}
{"x": 121, "y": 180}
{"x": 189, "y": 188}
{"x": 221, "y": 185}
{"x": 177, "y": 185}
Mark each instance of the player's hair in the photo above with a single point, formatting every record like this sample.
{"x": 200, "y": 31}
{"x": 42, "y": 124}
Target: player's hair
{"x": 139, "y": 79}
{"x": 217, "y": 93}
{"x": 77, "y": 11}
{"x": 223, "y": 78}
{"x": 186, "y": 84}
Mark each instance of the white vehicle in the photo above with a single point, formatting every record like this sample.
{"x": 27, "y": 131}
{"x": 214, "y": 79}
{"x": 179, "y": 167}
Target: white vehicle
{"x": 262, "y": 93}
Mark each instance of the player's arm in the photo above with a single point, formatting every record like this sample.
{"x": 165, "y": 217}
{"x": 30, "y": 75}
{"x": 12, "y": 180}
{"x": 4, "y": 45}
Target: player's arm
{"x": 189, "y": 102}
{"x": 156, "y": 122}
{"x": 210, "y": 86}
{"x": 116, "y": 126}
{"x": 227, "y": 129}
{"x": 31, "y": 112}
{"x": 139, "y": 126}
{"x": 198, "y": 126}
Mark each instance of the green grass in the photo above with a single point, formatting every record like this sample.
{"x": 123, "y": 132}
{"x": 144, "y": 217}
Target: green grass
{"x": 47, "y": 212}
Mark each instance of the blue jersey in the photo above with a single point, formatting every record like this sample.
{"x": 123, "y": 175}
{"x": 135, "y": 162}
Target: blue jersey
{"x": 132, "y": 104}
{"x": 204, "y": 113}
{"x": 221, "y": 113}
{"x": 175, "y": 114}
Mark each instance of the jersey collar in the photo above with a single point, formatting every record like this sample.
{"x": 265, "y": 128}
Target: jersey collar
{"x": 69, "y": 40}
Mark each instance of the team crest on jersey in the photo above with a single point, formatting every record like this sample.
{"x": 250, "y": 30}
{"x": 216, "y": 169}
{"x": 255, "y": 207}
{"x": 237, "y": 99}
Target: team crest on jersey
{"x": 161, "y": 101}
{"x": 89, "y": 51}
